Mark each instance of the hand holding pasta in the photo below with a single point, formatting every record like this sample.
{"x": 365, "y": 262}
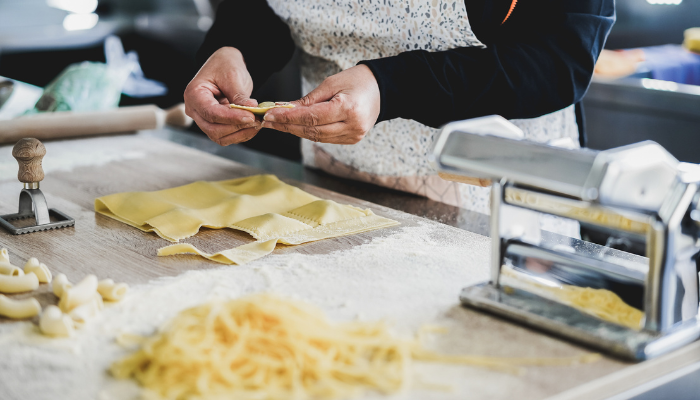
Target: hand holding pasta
{"x": 19, "y": 309}
{"x": 340, "y": 110}
{"x": 222, "y": 80}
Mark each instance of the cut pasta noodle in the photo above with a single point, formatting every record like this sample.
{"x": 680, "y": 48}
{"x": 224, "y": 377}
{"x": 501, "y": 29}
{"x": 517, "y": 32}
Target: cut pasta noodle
{"x": 18, "y": 309}
{"x": 40, "y": 270}
{"x": 87, "y": 311}
{"x": 81, "y": 293}
{"x": 60, "y": 284}
{"x": 8, "y": 269}
{"x": 55, "y": 323}
{"x": 4, "y": 255}
{"x": 265, "y": 348}
{"x": 17, "y": 284}
{"x": 111, "y": 291}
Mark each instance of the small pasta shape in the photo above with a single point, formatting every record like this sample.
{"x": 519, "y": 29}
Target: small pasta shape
{"x": 55, "y": 323}
{"x": 8, "y": 269}
{"x": 81, "y": 293}
{"x": 17, "y": 284}
{"x": 60, "y": 284}
{"x": 18, "y": 309}
{"x": 39, "y": 269}
{"x": 4, "y": 255}
{"x": 111, "y": 291}
{"x": 87, "y": 311}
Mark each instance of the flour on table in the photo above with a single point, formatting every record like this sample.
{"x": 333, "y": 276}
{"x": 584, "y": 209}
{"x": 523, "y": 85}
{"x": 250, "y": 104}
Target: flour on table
{"x": 409, "y": 277}
{"x": 64, "y": 156}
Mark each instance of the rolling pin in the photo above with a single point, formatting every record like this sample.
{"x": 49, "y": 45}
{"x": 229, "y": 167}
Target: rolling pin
{"x": 65, "y": 124}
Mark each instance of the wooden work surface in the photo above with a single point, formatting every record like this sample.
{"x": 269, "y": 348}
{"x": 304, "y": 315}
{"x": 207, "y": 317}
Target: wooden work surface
{"x": 105, "y": 247}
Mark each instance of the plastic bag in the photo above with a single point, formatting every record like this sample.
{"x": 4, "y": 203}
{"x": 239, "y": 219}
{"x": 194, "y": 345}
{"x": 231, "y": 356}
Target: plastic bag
{"x": 136, "y": 84}
{"x": 92, "y": 86}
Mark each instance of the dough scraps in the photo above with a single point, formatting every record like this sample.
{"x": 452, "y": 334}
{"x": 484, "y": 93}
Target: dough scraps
{"x": 268, "y": 209}
{"x": 263, "y": 107}
{"x": 266, "y": 347}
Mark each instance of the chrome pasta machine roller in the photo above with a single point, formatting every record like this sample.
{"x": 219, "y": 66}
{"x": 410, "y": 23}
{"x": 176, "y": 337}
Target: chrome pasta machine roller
{"x": 635, "y": 306}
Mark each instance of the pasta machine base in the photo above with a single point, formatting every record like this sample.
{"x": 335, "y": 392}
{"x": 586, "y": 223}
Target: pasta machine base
{"x": 561, "y": 320}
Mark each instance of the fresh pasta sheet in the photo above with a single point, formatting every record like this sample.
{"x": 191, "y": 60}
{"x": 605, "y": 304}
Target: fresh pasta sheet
{"x": 264, "y": 347}
{"x": 268, "y": 209}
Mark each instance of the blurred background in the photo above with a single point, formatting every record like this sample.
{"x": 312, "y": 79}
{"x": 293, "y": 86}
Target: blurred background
{"x": 646, "y": 87}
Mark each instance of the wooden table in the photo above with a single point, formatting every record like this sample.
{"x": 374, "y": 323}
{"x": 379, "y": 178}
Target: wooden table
{"x": 81, "y": 170}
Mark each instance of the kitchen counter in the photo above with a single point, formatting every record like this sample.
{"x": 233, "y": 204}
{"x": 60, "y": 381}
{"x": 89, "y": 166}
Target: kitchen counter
{"x": 409, "y": 275}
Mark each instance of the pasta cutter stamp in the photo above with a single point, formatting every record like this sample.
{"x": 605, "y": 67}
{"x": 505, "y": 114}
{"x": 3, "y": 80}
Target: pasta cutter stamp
{"x": 32, "y": 204}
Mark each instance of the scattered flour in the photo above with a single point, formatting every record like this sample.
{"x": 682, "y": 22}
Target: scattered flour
{"x": 408, "y": 278}
{"x": 62, "y": 156}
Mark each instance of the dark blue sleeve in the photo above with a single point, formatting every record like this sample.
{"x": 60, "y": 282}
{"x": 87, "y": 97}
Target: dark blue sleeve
{"x": 256, "y": 31}
{"x": 539, "y": 61}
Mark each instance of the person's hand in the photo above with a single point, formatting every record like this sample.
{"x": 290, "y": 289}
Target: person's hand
{"x": 223, "y": 79}
{"x": 341, "y": 110}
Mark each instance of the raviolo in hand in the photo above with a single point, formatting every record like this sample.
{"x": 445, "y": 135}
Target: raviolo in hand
{"x": 263, "y": 107}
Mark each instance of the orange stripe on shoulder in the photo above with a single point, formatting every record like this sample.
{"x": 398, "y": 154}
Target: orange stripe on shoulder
{"x": 512, "y": 7}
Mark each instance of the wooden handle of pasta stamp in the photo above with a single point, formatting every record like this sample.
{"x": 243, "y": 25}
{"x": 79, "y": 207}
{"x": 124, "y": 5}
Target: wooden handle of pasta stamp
{"x": 465, "y": 179}
{"x": 29, "y": 152}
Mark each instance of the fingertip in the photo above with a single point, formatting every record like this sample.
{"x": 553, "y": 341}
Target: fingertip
{"x": 250, "y": 103}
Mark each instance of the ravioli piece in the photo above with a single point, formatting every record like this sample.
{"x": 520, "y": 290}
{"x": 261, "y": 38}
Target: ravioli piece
{"x": 322, "y": 212}
{"x": 268, "y": 226}
{"x": 263, "y": 107}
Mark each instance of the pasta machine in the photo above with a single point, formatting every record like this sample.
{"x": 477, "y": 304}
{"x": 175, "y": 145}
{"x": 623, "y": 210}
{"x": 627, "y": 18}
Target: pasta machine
{"x": 635, "y": 306}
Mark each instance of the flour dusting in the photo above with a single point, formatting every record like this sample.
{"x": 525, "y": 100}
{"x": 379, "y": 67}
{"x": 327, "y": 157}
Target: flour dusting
{"x": 410, "y": 277}
{"x": 63, "y": 156}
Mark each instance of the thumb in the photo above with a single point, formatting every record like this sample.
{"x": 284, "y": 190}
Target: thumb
{"x": 236, "y": 95}
{"x": 323, "y": 92}
{"x": 242, "y": 100}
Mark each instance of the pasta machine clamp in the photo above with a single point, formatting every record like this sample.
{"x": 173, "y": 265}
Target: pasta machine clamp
{"x": 32, "y": 204}
{"x": 636, "y": 304}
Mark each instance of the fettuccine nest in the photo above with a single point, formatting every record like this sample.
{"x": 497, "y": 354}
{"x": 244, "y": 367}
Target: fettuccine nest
{"x": 266, "y": 348}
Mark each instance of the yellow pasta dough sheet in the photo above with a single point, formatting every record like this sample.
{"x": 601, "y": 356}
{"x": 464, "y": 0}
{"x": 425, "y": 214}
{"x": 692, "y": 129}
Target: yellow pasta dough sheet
{"x": 268, "y": 209}
{"x": 262, "y": 108}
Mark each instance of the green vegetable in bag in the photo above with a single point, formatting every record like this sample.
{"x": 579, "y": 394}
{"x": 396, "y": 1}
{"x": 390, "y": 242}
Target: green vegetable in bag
{"x": 88, "y": 86}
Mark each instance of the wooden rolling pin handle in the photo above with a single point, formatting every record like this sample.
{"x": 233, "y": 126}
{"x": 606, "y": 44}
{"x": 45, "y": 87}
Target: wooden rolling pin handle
{"x": 465, "y": 179}
{"x": 29, "y": 152}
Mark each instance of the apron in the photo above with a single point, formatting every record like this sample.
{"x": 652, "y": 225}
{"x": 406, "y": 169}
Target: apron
{"x": 335, "y": 35}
